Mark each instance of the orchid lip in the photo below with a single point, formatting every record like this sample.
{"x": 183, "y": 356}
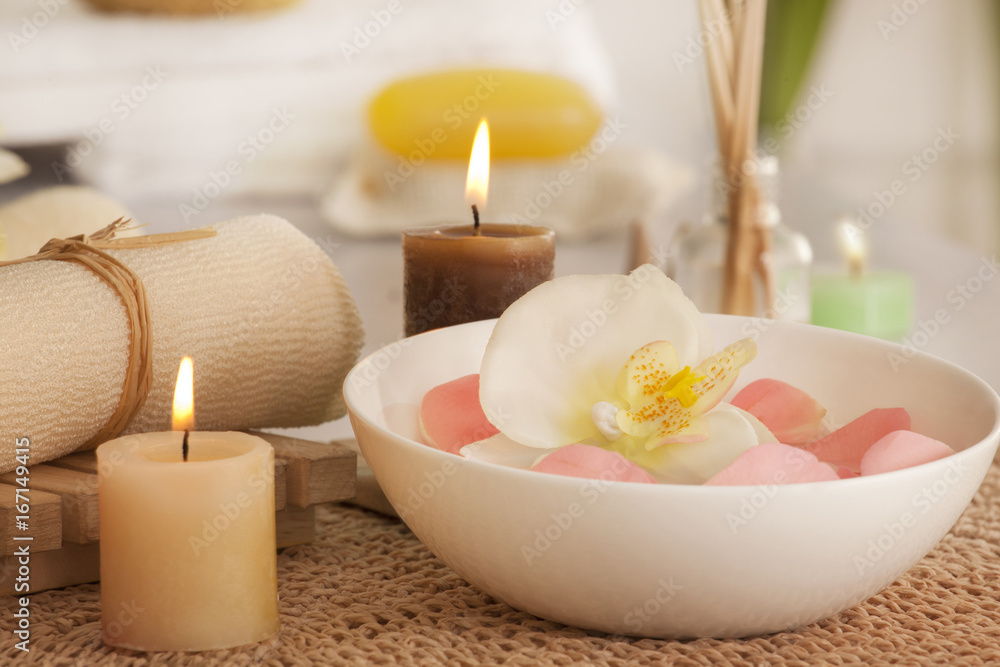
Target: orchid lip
{"x": 604, "y": 416}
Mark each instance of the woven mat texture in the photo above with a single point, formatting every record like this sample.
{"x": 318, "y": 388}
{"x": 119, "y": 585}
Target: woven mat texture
{"x": 368, "y": 592}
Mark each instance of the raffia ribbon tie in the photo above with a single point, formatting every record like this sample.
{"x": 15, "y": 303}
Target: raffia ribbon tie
{"x": 90, "y": 252}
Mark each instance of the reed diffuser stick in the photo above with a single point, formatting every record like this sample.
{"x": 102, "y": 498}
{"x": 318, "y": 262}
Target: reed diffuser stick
{"x": 719, "y": 77}
{"x": 734, "y": 59}
{"x": 736, "y": 20}
{"x": 722, "y": 23}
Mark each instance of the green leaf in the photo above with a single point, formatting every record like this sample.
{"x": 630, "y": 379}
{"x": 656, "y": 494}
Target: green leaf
{"x": 792, "y": 31}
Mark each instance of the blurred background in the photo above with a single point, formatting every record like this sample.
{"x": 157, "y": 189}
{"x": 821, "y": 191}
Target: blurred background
{"x": 893, "y": 75}
{"x": 884, "y": 107}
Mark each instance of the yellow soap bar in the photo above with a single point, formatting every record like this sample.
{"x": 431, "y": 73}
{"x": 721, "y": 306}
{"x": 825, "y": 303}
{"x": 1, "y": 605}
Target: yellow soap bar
{"x": 531, "y": 115}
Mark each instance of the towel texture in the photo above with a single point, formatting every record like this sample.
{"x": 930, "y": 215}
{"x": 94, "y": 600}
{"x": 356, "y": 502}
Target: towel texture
{"x": 268, "y": 319}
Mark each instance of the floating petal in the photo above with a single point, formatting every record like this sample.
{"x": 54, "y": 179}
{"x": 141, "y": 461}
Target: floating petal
{"x": 762, "y": 432}
{"x": 902, "y": 449}
{"x": 773, "y": 463}
{"x": 847, "y": 445}
{"x": 559, "y": 349}
{"x": 591, "y": 462}
{"x": 846, "y": 473}
{"x": 452, "y": 417}
{"x": 791, "y": 414}
{"x": 501, "y": 450}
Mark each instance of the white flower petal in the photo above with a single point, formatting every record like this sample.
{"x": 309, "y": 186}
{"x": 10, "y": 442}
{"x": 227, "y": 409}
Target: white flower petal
{"x": 764, "y": 434}
{"x": 559, "y": 349}
{"x": 501, "y": 450}
{"x": 730, "y": 434}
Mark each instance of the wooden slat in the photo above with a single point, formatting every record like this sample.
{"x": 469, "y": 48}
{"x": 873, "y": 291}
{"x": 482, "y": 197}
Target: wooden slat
{"x": 80, "y": 461}
{"x": 71, "y": 565}
{"x": 280, "y": 484}
{"x": 295, "y": 526}
{"x": 44, "y": 520}
{"x": 87, "y": 462}
{"x": 317, "y": 473}
{"x": 78, "y": 491}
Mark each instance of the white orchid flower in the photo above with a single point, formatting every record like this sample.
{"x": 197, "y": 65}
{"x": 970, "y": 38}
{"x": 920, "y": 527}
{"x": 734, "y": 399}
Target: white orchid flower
{"x": 607, "y": 360}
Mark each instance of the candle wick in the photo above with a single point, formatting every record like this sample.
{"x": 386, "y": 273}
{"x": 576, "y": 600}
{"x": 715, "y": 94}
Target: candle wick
{"x": 856, "y": 268}
{"x": 475, "y": 220}
{"x": 184, "y": 445}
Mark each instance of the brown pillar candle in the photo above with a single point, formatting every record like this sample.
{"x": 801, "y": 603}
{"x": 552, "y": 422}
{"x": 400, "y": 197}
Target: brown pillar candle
{"x": 452, "y": 275}
{"x": 463, "y": 273}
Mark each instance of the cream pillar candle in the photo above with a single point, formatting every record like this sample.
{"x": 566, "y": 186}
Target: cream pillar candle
{"x": 188, "y": 557}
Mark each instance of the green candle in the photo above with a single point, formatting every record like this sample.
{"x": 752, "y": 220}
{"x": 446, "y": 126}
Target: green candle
{"x": 876, "y": 303}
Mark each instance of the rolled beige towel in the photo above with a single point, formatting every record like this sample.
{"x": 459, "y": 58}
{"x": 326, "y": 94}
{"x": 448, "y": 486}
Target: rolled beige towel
{"x": 268, "y": 319}
{"x": 28, "y": 222}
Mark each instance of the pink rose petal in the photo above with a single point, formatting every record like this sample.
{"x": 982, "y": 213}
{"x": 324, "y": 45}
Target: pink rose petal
{"x": 847, "y": 445}
{"x": 592, "y": 462}
{"x": 846, "y": 473}
{"x": 792, "y": 415}
{"x": 902, "y": 449}
{"x": 773, "y": 463}
{"x": 451, "y": 416}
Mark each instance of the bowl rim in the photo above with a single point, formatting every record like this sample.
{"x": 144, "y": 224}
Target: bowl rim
{"x": 990, "y": 440}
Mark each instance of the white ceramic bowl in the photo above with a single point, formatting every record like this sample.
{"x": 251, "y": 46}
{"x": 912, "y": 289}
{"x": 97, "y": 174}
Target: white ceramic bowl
{"x": 683, "y": 561}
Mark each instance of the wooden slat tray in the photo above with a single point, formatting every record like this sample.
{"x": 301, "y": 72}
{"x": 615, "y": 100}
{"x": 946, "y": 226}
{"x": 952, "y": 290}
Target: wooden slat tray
{"x": 65, "y": 526}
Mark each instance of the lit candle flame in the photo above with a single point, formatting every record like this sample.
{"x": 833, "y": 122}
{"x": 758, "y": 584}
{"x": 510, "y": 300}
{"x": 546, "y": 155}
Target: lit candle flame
{"x": 182, "y": 418}
{"x": 478, "y": 181}
{"x": 853, "y": 245}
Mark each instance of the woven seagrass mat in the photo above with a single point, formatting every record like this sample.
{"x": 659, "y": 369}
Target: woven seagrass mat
{"x": 368, "y": 592}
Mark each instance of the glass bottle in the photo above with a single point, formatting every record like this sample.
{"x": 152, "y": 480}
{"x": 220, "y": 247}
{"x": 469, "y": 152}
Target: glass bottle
{"x": 700, "y": 252}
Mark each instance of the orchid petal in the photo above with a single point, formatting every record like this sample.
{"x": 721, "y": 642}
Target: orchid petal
{"x": 763, "y": 433}
{"x": 729, "y": 434}
{"x": 559, "y": 349}
{"x": 721, "y": 371}
{"x": 657, "y": 410}
{"x": 501, "y": 450}
{"x": 646, "y": 373}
